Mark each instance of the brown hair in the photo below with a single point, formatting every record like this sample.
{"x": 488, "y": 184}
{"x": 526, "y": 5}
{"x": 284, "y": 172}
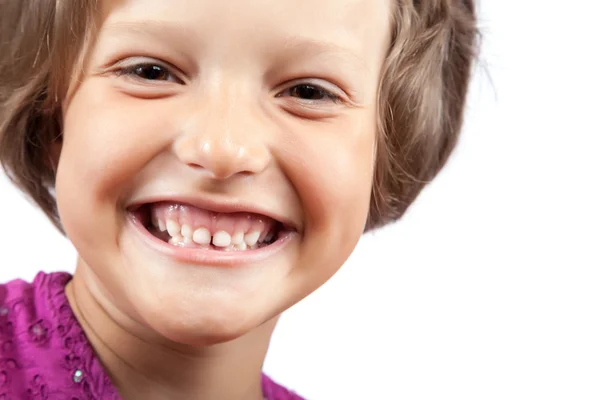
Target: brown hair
{"x": 422, "y": 94}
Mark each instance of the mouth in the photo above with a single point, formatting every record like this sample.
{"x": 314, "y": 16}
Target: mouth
{"x": 187, "y": 227}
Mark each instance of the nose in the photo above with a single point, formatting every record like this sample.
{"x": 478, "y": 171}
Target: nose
{"x": 224, "y": 140}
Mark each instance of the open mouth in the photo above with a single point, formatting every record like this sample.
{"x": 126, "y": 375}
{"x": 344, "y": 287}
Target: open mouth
{"x": 186, "y": 226}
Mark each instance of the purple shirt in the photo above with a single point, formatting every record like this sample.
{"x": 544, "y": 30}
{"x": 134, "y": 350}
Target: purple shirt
{"x": 45, "y": 354}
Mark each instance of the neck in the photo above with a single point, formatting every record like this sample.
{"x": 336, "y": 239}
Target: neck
{"x": 143, "y": 365}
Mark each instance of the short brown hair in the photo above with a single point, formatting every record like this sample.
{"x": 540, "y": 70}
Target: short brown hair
{"x": 422, "y": 94}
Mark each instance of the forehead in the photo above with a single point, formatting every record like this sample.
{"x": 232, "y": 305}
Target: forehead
{"x": 361, "y": 27}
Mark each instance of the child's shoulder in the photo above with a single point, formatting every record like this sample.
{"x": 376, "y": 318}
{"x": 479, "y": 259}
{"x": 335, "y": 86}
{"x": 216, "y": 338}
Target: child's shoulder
{"x": 274, "y": 391}
{"x": 31, "y": 307}
{"x": 44, "y": 284}
{"x": 29, "y": 304}
{"x": 42, "y": 351}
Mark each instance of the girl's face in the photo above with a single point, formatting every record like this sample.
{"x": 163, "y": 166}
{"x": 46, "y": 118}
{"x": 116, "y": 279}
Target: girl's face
{"x": 217, "y": 158}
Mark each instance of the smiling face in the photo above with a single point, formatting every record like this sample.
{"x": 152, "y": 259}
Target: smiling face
{"x": 234, "y": 119}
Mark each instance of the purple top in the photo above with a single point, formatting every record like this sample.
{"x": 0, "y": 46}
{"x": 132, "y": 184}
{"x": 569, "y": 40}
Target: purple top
{"x": 45, "y": 353}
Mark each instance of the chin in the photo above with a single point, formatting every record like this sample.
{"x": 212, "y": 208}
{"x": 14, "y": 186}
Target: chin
{"x": 203, "y": 321}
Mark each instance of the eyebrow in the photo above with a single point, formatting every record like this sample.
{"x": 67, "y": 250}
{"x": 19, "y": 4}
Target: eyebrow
{"x": 308, "y": 44}
{"x": 145, "y": 27}
{"x": 296, "y": 43}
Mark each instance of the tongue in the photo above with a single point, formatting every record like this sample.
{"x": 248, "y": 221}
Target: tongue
{"x": 214, "y": 222}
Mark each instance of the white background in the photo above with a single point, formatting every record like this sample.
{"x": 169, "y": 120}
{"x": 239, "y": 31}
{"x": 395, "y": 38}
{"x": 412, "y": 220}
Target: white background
{"x": 489, "y": 288}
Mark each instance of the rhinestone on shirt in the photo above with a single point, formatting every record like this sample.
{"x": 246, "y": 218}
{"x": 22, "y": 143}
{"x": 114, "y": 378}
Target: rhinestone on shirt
{"x": 78, "y": 376}
{"x": 38, "y": 330}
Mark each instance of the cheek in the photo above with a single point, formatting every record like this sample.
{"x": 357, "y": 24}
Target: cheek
{"x": 334, "y": 177}
{"x": 105, "y": 146}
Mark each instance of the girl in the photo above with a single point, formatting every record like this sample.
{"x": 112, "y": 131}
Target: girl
{"x": 213, "y": 163}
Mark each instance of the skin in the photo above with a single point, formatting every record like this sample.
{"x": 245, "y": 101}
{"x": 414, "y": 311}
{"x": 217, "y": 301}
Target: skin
{"x": 223, "y": 122}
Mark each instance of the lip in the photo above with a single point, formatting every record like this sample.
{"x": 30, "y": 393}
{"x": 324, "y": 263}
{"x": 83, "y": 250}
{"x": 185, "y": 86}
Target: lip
{"x": 210, "y": 257}
{"x": 228, "y": 206}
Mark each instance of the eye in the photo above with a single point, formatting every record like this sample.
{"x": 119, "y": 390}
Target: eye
{"x": 149, "y": 72}
{"x": 310, "y": 92}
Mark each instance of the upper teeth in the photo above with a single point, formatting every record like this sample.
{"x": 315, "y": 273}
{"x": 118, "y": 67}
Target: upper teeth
{"x": 187, "y": 231}
{"x": 251, "y": 238}
{"x": 221, "y": 239}
{"x": 201, "y": 236}
{"x": 268, "y": 237}
{"x": 173, "y": 228}
{"x": 239, "y": 240}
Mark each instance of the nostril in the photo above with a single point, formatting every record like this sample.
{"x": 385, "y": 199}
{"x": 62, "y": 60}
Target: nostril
{"x": 222, "y": 156}
{"x": 195, "y": 165}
